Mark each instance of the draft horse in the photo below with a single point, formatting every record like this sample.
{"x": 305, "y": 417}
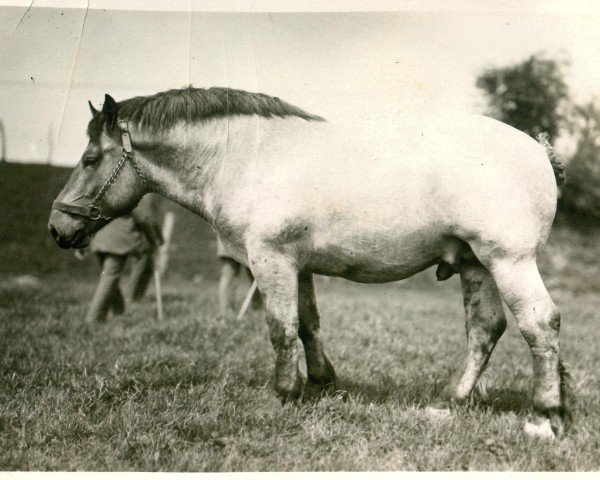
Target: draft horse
{"x": 292, "y": 195}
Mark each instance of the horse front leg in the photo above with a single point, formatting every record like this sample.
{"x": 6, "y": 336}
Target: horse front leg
{"x": 321, "y": 374}
{"x": 277, "y": 277}
{"x": 485, "y": 325}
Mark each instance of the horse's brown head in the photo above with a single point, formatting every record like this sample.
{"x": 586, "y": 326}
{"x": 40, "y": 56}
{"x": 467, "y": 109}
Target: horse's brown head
{"x": 105, "y": 184}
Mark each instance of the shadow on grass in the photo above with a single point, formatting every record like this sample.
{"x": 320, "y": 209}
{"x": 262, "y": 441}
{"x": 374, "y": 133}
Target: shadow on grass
{"x": 385, "y": 392}
{"x": 505, "y": 401}
{"x": 497, "y": 401}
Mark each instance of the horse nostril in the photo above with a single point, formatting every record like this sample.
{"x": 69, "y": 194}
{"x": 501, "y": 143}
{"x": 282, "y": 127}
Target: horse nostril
{"x": 54, "y": 232}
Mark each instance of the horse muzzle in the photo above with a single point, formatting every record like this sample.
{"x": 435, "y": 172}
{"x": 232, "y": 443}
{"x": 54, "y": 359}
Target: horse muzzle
{"x": 66, "y": 232}
{"x": 78, "y": 240}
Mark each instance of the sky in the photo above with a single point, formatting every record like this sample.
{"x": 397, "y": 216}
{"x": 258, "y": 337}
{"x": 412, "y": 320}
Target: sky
{"x": 355, "y": 65}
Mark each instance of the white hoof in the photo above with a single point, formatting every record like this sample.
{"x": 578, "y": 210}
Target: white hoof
{"x": 438, "y": 413}
{"x": 543, "y": 430}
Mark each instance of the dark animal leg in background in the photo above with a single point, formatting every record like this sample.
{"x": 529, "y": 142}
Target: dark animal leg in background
{"x": 321, "y": 374}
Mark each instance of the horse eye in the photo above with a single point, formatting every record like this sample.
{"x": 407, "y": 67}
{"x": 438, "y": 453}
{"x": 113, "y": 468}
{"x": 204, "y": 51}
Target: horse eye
{"x": 90, "y": 160}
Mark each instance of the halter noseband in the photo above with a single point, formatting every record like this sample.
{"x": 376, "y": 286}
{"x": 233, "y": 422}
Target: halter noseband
{"x": 91, "y": 210}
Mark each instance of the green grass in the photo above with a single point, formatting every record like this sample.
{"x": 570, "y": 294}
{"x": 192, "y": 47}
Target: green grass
{"x": 195, "y": 392}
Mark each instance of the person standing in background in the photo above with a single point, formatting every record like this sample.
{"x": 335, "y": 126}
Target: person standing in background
{"x": 135, "y": 236}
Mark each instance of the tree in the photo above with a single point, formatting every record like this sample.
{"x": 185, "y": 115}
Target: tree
{"x": 528, "y": 95}
{"x": 581, "y": 193}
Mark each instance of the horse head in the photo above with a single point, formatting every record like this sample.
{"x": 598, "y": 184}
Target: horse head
{"x": 106, "y": 183}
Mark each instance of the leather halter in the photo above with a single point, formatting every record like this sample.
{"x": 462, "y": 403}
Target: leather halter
{"x": 91, "y": 210}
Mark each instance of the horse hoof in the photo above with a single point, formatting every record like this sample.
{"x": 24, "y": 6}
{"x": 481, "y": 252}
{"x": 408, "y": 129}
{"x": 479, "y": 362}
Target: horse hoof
{"x": 318, "y": 389}
{"x": 438, "y": 413}
{"x": 294, "y": 394}
{"x": 542, "y": 430}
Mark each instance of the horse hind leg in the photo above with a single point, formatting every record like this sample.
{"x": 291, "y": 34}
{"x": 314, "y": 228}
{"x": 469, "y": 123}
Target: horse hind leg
{"x": 538, "y": 319}
{"x": 485, "y": 325}
{"x": 321, "y": 374}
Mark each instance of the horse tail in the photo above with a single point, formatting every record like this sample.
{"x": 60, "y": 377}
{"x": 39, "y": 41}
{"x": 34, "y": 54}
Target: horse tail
{"x": 557, "y": 165}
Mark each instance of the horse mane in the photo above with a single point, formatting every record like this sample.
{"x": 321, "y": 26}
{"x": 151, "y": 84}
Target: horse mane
{"x": 165, "y": 109}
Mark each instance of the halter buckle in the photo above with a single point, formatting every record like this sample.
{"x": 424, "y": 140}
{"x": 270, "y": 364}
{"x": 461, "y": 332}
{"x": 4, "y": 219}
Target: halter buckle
{"x": 125, "y": 138}
{"x": 95, "y": 213}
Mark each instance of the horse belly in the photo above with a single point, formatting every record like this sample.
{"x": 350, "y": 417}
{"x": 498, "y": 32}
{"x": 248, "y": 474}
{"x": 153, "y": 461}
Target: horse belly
{"x": 375, "y": 258}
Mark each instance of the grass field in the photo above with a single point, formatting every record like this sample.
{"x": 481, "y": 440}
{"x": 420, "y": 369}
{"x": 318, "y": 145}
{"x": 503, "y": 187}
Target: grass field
{"x": 194, "y": 392}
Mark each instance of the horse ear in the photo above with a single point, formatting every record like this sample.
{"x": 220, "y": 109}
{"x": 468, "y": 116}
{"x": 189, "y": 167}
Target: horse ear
{"x": 92, "y": 109}
{"x": 110, "y": 109}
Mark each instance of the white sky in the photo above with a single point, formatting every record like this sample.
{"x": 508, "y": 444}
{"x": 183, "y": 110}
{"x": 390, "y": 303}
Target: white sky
{"x": 53, "y": 60}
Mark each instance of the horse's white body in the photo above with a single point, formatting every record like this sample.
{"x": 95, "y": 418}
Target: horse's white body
{"x": 373, "y": 209}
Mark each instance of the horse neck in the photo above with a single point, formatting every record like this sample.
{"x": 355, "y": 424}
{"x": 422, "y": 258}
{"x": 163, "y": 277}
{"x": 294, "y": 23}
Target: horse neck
{"x": 190, "y": 164}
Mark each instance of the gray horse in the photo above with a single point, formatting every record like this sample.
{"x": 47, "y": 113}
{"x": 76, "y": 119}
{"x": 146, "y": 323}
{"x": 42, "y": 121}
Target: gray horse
{"x": 292, "y": 195}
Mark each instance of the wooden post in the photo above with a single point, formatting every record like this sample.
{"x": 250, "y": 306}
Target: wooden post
{"x": 163, "y": 250}
{"x": 162, "y": 260}
{"x": 247, "y": 300}
{"x": 158, "y": 293}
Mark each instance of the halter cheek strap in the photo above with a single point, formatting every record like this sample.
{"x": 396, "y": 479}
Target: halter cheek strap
{"x": 91, "y": 210}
